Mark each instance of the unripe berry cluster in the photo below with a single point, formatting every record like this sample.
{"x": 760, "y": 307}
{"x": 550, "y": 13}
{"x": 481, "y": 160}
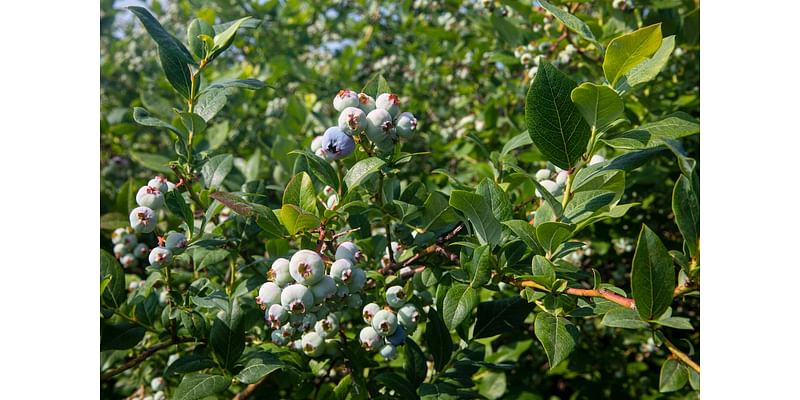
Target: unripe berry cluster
{"x": 127, "y": 248}
{"x": 389, "y": 325}
{"x": 303, "y": 300}
{"x": 359, "y": 114}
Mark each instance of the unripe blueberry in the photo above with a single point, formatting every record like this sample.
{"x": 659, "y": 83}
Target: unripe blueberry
{"x": 162, "y": 297}
{"x": 130, "y": 241}
{"x": 176, "y": 242}
{"x": 406, "y": 124}
{"x": 324, "y": 289}
{"x": 369, "y": 312}
{"x": 143, "y": 220}
{"x": 322, "y": 311}
{"x": 397, "y": 249}
{"x": 342, "y": 270}
{"x": 596, "y": 159}
{"x": 352, "y": 120}
{"x": 354, "y": 301}
{"x": 395, "y": 296}
{"x": 336, "y": 144}
{"x": 542, "y": 174}
{"x": 279, "y": 272}
{"x": 276, "y": 316}
{"x": 389, "y": 102}
{"x": 157, "y": 384}
{"x": 348, "y": 250}
{"x": 296, "y": 298}
{"x": 408, "y": 316}
{"x": 388, "y": 352}
{"x": 345, "y": 98}
{"x": 332, "y": 201}
{"x": 287, "y": 330}
{"x": 357, "y": 280}
{"x": 365, "y": 102}
{"x": 561, "y": 178}
{"x": 149, "y": 196}
{"x": 308, "y": 322}
{"x": 316, "y": 143}
{"x": 268, "y": 294}
{"x": 172, "y": 358}
{"x": 306, "y": 267}
{"x": 369, "y": 338}
{"x": 278, "y": 338}
{"x": 385, "y": 322}
{"x": 313, "y": 344}
{"x": 398, "y": 337}
{"x": 380, "y": 129}
{"x": 120, "y": 250}
{"x": 297, "y": 345}
{"x": 551, "y": 187}
{"x": 170, "y": 186}
{"x": 141, "y": 251}
{"x": 160, "y": 183}
{"x": 327, "y": 326}
{"x": 118, "y": 235}
{"x": 159, "y": 395}
{"x": 159, "y": 256}
{"x": 127, "y": 260}
{"x": 328, "y": 191}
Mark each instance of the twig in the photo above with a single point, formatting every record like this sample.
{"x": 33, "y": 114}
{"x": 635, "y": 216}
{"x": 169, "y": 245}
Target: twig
{"x": 681, "y": 355}
{"x": 608, "y": 295}
{"x": 250, "y": 389}
{"x": 141, "y": 357}
{"x": 434, "y": 248}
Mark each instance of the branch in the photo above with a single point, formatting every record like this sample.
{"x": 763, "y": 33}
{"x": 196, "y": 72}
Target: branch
{"x": 608, "y": 295}
{"x": 434, "y": 248}
{"x": 141, "y": 357}
{"x": 250, "y": 389}
{"x": 681, "y": 355}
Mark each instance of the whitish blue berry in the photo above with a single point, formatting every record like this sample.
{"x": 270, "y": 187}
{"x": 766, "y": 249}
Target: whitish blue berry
{"x": 130, "y": 241}
{"x": 143, "y": 219}
{"x": 398, "y": 337}
{"x": 159, "y": 256}
{"x": 551, "y": 187}
{"x": 306, "y": 267}
{"x": 279, "y": 272}
{"x": 120, "y": 250}
{"x": 596, "y": 159}
{"x": 141, "y": 251}
{"x": 170, "y": 186}
{"x": 176, "y": 242}
{"x": 345, "y": 98}
{"x": 157, "y": 384}
{"x": 342, "y": 269}
{"x": 278, "y": 338}
{"x": 327, "y": 326}
{"x": 268, "y": 294}
{"x": 127, "y": 260}
{"x": 395, "y": 296}
{"x": 369, "y": 311}
{"x": 369, "y": 338}
{"x": 365, "y": 102}
{"x": 389, "y": 102}
{"x": 406, "y": 125}
{"x": 408, "y": 316}
{"x": 388, "y": 352}
{"x": 316, "y": 143}
{"x": 357, "y": 280}
{"x": 332, "y": 201}
{"x": 561, "y": 178}
{"x": 354, "y": 301}
{"x": 313, "y": 344}
{"x": 118, "y": 235}
{"x": 336, "y": 144}
{"x": 352, "y": 120}
{"x": 159, "y": 395}
{"x": 385, "y": 322}
{"x": 297, "y": 345}
{"x": 287, "y": 330}
{"x": 159, "y": 183}
{"x": 324, "y": 289}
{"x": 348, "y": 250}
{"x": 276, "y": 316}
{"x": 542, "y": 174}
{"x": 297, "y": 298}
{"x": 380, "y": 129}
{"x": 308, "y": 322}
{"x": 149, "y": 196}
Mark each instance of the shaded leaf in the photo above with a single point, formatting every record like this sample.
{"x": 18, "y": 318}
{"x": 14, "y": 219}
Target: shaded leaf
{"x": 458, "y": 304}
{"x": 500, "y": 316}
{"x": 476, "y": 208}
{"x": 557, "y": 335}
{"x": 652, "y": 276}
{"x": 198, "y": 386}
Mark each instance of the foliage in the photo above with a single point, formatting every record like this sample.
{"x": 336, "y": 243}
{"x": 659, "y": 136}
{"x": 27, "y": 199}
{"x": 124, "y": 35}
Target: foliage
{"x": 542, "y": 218}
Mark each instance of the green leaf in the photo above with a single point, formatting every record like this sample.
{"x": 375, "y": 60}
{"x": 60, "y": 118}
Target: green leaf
{"x": 686, "y": 207}
{"x": 196, "y": 28}
{"x": 437, "y": 212}
{"x": 437, "y": 337}
{"x": 155, "y": 162}
{"x": 259, "y": 367}
{"x": 234, "y": 202}
{"x": 143, "y": 117}
{"x": 320, "y": 169}
{"x": 458, "y": 304}
{"x": 526, "y": 232}
{"x": 648, "y": 69}
{"x": 362, "y": 170}
{"x": 523, "y": 139}
{"x": 296, "y": 220}
{"x": 198, "y": 386}
{"x": 227, "y": 336}
{"x": 543, "y": 271}
{"x": 177, "y": 205}
{"x": 416, "y": 366}
{"x": 694, "y": 379}
{"x": 177, "y": 72}
{"x": 572, "y": 22}
{"x": 376, "y": 85}
{"x": 552, "y": 234}
{"x": 652, "y": 276}
{"x": 300, "y": 192}
{"x": 554, "y": 123}
{"x": 501, "y": 316}
{"x": 252, "y": 84}
{"x": 624, "y": 318}
{"x": 193, "y": 123}
{"x": 653, "y": 134}
{"x": 216, "y": 169}
{"x": 676, "y": 323}
{"x": 268, "y": 221}
{"x": 397, "y": 383}
{"x": 116, "y": 291}
{"x": 161, "y": 36}
{"x": 480, "y": 266}
{"x": 557, "y": 335}
{"x": 122, "y": 336}
{"x": 224, "y": 39}
{"x": 599, "y": 104}
{"x": 189, "y": 363}
{"x": 596, "y": 194}
{"x": 477, "y": 210}
{"x": 497, "y": 198}
{"x": 506, "y": 30}
{"x": 113, "y": 220}
{"x": 210, "y": 103}
{"x": 674, "y": 376}
{"x": 626, "y": 51}
{"x": 104, "y": 280}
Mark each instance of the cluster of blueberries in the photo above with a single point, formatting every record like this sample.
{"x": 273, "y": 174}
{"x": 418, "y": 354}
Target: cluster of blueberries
{"x": 388, "y": 326}
{"x": 304, "y": 301}
{"x": 380, "y": 119}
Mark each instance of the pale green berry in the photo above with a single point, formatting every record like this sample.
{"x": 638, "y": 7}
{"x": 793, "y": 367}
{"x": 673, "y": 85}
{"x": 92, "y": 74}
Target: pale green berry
{"x": 128, "y": 260}
{"x": 149, "y": 196}
{"x": 406, "y": 125}
{"x": 143, "y": 220}
{"x": 160, "y": 183}
{"x": 327, "y": 326}
{"x": 342, "y": 291}
{"x": 313, "y": 344}
{"x": 561, "y": 178}
{"x": 365, "y": 102}
{"x": 120, "y": 250}
{"x": 324, "y": 289}
{"x": 357, "y": 280}
{"x": 369, "y": 338}
{"x": 276, "y": 315}
{"x": 380, "y": 129}
{"x": 279, "y": 272}
{"x": 130, "y": 241}
{"x": 332, "y": 201}
{"x": 159, "y": 257}
{"x": 268, "y": 294}
{"x": 369, "y": 311}
{"x": 551, "y": 187}
{"x": 296, "y": 298}
{"x": 389, "y": 102}
{"x": 345, "y": 98}
{"x": 141, "y": 251}
{"x": 316, "y": 143}
{"x": 408, "y": 316}
{"x": 352, "y": 120}
{"x": 342, "y": 270}
{"x": 395, "y": 296}
{"x": 348, "y": 250}
{"x": 388, "y": 352}
{"x": 306, "y": 267}
{"x": 385, "y": 322}
{"x": 176, "y": 242}
{"x": 309, "y": 320}
{"x": 542, "y": 174}
{"x": 596, "y": 159}
{"x": 118, "y": 235}
{"x": 278, "y": 338}
{"x": 157, "y": 384}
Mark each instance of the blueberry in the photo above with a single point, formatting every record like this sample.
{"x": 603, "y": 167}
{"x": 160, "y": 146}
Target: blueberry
{"x": 352, "y": 120}
{"x": 543, "y": 174}
{"x": 268, "y": 294}
{"x": 308, "y": 322}
{"x": 357, "y": 280}
{"x": 313, "y": 344}
{"x": 365, "y": 102}
{"x": 406, "y": 124}
{"x": 369, "y": 312}
{"x": 129, "y": 241}
{"x": 389, "y": 102}
{"x": 287, "y": 330}
{"x": 149, "y": 196}
{"x": 342, "y": 270}
{"x": 395, "y": 296}
{"x": 306, "y": 267}
{"x": 176, "y": 242}
{"x": 336, "y": 144}
{"x": 279, "y": 272}
{"x": 380, "y": 129}
{"x": 327, "y": 326}
{"x": 276, "y": 315}
{"x": 385, "y": 322}
{"x": 157, "y": 384}
{"x": 332, "y": 202}
{"x": 349, "y": 251}
{"x": 345, "y": 98}
{"x": 408, "y": 316}
{"x": 369, "y": 338}
{"x": 159, "y": 256}
{"x": 141, "y": 251}
{"x": 128, "y": 260}
{"x": 342, "y": 290}
{"x": 159, "y": 183}
{"x": 118, "y": 235}
{"x": 388, "y": 352}
{"x": 398, "y": 337}
{"x": 561, "y": 178}
{"x": 324, "y": 289}
{"x": 120, "y": 250}
{"x": 316, "y": 143}
{"x": 596, "y": 159}
{"x": 354, "y": 300}
{"x": 296, "y": 298}
{"x": 143, "y": 220}
{"x": 551, "y": 187}
{"x": 278, "y": 338}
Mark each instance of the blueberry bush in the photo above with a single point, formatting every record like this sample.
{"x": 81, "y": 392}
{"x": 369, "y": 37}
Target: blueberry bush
{"x": 416, "y": 199}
